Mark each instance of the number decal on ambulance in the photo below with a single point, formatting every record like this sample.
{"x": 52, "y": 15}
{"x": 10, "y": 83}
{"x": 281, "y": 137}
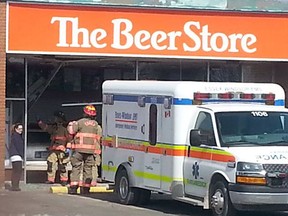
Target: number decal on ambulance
{"x": 259, "y": 114}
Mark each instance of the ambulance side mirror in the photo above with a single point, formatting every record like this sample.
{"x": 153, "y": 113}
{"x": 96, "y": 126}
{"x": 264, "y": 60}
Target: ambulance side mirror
{"x": 198, "y": 137}
{"x": 195, "y": 137}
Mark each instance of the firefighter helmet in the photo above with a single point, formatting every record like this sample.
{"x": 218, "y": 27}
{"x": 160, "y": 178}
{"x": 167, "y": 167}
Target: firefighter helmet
{"x": 60, "y": 114}
{"x": 90, "y": 110}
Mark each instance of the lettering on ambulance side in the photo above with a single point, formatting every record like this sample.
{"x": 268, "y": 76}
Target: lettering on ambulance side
{"x": 149, "y": 168}
{"x": 126, "y": 120}
{"x": 234, "y": 89}
{"x": 155, "y": 161}
{"x": 271, "y": 157}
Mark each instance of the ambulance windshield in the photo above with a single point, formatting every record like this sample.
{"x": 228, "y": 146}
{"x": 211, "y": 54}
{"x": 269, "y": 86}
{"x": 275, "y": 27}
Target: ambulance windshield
{"x": 256, "y": 128}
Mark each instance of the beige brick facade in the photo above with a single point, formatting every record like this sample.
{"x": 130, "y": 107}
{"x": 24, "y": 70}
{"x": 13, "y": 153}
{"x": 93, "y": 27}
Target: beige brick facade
{"x": 2, "y": 89}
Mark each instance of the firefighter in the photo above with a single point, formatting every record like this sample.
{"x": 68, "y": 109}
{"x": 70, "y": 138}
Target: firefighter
{"x": 85, "y": 146}
{"x": 58, "y": 153}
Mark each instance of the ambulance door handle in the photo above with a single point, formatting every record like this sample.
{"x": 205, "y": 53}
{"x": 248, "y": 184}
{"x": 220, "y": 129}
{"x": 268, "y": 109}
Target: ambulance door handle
{"x": 188, "y": 152}
{"x": 146, "y": 149}
{"x": 164, "y": 151}
{"x": 143, "y": 129}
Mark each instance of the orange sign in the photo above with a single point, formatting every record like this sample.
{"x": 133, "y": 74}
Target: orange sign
{"x": 96, "y": 31}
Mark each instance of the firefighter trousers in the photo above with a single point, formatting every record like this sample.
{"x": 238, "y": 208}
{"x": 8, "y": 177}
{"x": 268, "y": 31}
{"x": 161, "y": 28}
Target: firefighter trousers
{"x": 81, "y": 163}
{"x": 95, "y": 172}
{"x": 57, "y": 160}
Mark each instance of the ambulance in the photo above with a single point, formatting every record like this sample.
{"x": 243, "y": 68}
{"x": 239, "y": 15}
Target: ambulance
{"x": 222, "y": 146}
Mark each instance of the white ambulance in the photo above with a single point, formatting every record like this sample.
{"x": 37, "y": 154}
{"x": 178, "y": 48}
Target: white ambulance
{"x": 223, "y": 146}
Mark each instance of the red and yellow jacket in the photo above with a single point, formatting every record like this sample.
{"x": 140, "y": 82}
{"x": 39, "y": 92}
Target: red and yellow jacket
{"x": 58, "y": 134}
{"x": 87, "y": 135}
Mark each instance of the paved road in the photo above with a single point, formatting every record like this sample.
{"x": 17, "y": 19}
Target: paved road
{"x": 38, "y": 201}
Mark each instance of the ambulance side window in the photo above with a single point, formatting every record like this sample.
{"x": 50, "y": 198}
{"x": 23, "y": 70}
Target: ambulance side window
{"x": 153, "y": 124}
{"x": 204, "y": 124}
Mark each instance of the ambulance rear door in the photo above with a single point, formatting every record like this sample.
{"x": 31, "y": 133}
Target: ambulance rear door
{"x": 152, "y": 157}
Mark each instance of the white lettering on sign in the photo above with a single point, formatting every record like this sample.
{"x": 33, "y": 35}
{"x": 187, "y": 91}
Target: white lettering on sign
{"x": 208, "y": 41}
{"x": 94, "y": 38}
{"x": 142, "y": 39}
{"x": 124, "y": 36}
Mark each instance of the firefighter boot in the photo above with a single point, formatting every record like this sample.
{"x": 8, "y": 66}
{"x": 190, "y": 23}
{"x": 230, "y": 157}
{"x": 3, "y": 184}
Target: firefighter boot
{"x": 63, "y": 183}
{"x": 85, "y": 190}
{"x": 72, "y": 190}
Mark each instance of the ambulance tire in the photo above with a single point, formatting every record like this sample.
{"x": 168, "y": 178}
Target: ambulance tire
{"x": 220, "y": 201}
{"x": 126, "y": 194}
{"x": 144, "y": 196}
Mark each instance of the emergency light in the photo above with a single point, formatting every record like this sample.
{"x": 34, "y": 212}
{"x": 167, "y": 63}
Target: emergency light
{"x": 247, "y": 96}
{"x": 141, "y": 101}
{"x": 269, "y": 96}
{"x": 227, "y": 95}
{"x": 108, "y": 99}
{"x": 200, "y": 97}
{"x": 167, "y": 102}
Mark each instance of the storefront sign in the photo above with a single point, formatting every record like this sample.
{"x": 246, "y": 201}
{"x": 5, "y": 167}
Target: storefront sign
{"x": 82, "y": 30}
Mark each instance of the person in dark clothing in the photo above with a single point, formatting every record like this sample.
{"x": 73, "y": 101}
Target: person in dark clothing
{"x": 16, "y": 154}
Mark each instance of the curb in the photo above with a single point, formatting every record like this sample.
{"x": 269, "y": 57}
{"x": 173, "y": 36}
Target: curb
{"x": 97, "y": 189}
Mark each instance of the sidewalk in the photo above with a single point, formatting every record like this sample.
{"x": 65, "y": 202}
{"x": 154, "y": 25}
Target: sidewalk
{"x": 31, "y": 186}
{"x": 37, "y": 200}
{"x": 57, "y": 188}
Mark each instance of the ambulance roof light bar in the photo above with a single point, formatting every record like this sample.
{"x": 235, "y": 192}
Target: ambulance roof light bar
{"x": 247, "y": 96}
{"x": 108, "y": 99}
{"x": 227, "y": 95}
{"x": 269, "y": 96}
{"x": 199, "y": 97}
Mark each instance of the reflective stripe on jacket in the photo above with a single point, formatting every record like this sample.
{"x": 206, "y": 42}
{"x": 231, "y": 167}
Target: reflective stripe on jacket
{"x": 63, "y": 138}
{"x": 58, "y": 134}
{"x": 57, "y": 148}
{"x": 87, "y": 136}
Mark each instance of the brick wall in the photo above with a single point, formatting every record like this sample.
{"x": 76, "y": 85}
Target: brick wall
{"x": 2, "y": 89}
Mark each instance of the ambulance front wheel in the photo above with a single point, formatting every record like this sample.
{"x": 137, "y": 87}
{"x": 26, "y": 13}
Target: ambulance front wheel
{"x": 126, "y": 194}
{"x": 220, "y": 201}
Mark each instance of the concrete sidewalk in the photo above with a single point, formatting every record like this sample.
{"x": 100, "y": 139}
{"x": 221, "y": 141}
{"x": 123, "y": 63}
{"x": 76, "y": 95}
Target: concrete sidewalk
{"x": 37, "y": 200}
{"x": 57, "y": 188}
{"x": 30, "y": 186}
